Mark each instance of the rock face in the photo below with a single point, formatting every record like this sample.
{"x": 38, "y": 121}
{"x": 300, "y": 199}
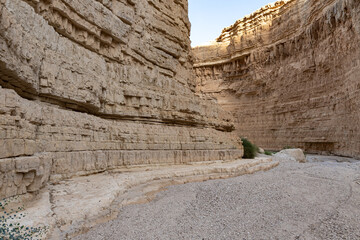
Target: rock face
{"x": 290, "y": 74}
{"x": 92, "y": 85}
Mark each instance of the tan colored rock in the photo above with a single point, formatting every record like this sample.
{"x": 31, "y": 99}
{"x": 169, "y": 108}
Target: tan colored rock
{"x": 92, "y": 85}
{"x": 290, "y": 155}
{"x": 73, "y": 206}
{"x": 261, "y": 150}
{"x": 289, "y": 73}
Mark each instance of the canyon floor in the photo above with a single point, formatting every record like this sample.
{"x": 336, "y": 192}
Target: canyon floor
{"x": 319, "y": 199}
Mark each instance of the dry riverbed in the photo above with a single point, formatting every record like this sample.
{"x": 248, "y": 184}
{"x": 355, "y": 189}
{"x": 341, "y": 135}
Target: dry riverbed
{"x": 315, "y": 200}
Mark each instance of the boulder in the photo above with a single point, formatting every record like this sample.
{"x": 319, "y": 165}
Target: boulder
{"x": 291, "y": 155}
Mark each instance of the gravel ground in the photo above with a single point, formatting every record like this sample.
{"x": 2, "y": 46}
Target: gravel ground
{"x": 317, "y": 200}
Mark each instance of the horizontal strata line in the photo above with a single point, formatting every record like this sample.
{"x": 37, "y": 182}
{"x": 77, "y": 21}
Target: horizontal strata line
{"x": 134, "y": 150}
{"x": 264, "y": 11}
{"x": 161, "y": 12}
{"x": 109, "y": 58}
{"x": 241, "y": 53}
{"x": 81, "y": 15}
{"x": 153, "y": 61}
{"x": 83, "y": 108}
{"x": 294, "y": 33}
{"x": 123, "y": 19}
{"x": 39, "y": 154}
{"x": 24, "y": 92}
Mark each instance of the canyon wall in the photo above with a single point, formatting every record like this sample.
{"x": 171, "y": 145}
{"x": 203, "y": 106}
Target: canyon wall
{"x": 290, "y": 74}
{"x": 92, "y": 85}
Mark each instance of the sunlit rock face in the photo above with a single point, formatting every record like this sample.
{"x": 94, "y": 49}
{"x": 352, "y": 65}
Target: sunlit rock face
{"x": 92, "y": 85}
{"x": 290, "y": 74}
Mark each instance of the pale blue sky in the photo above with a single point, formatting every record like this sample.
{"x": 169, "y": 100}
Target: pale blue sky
{"x": 209, "y": 17}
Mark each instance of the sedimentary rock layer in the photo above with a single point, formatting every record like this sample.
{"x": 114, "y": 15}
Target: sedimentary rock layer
{"x": 290, "y": 74}
{"x": 92, "y": 85}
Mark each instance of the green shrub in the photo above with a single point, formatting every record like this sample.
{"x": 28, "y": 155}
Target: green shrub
{"x": 249, "y": 149}
{"x": 268, "y": 153}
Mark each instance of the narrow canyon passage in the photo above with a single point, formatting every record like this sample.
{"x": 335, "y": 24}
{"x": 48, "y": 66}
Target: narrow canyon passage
{"x": 104, "y": 103}
{"x": 318, "y": 200}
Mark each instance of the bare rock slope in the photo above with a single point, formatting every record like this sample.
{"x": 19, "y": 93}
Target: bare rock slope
{"x": 92, "y": 85}
{"x": 290, "y": 75}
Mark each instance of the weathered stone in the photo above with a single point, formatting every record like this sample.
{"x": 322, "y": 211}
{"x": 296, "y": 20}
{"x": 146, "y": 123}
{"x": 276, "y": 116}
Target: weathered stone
{"x": 29, "y": 178}
{"x": 88, "y": 86}
{"x": 289, "y": 73}
{"x": 298, "y": 154}
{"x": 80, "y": 203}
{"x": 7, "y": 165}
{"x": 26, "y": 164}
{"x": 262, "y": 151}
{"x": 290, "y": 155}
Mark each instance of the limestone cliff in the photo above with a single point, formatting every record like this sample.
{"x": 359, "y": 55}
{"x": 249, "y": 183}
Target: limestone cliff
{"x": 92, "y": 85}
{"x": 290, "y": 74}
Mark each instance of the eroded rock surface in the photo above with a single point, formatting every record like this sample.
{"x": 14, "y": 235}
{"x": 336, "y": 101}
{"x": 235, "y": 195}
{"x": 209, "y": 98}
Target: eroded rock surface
{"x": 295, "y": 155}
{"x": 293, "y": 201}
{"x": 92, "y": 85}
{"x": 290, "y": 75}
{"x": 73, "y": 206}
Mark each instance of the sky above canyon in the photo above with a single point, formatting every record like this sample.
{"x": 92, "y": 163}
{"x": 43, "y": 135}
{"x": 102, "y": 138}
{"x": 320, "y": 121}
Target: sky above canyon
{"x": 209, "y": 17}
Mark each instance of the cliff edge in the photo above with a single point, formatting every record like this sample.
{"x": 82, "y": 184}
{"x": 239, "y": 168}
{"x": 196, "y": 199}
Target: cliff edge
{"x": 289, "y": 73}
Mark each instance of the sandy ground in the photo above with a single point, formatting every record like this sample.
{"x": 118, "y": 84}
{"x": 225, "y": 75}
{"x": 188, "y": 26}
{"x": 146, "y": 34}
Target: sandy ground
{"x": 315, "y": 200}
